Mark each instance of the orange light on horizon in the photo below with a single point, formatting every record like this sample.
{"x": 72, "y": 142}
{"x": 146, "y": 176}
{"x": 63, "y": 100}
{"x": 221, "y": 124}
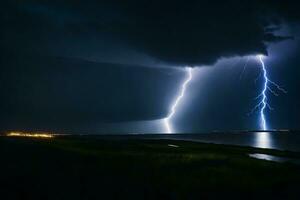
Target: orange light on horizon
{"x": 33, "y": 135}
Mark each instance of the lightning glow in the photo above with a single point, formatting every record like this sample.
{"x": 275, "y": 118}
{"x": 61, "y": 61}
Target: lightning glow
{"x": 268, "y": 86}
{"x": 178, "y": 99}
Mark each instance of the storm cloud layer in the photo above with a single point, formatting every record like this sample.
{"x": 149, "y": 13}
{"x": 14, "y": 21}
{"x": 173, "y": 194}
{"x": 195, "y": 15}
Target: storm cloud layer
{"x": 66, "y": 62}
{"x": 175, "y": 32}
{"x": 62, "y": 90}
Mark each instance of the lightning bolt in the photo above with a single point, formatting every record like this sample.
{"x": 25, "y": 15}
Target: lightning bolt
{"x": 268, "y": 86}
{"x": 178, "y": 99}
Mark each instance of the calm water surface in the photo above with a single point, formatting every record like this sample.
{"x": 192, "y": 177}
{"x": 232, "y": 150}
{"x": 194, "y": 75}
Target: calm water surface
{"x": 272, "y": 140}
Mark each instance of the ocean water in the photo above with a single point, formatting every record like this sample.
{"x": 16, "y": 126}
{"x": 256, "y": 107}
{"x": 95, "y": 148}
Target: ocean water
{"x": 271, "y": 140}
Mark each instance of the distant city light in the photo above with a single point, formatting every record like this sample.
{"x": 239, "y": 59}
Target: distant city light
{"x": 32, "y": 135}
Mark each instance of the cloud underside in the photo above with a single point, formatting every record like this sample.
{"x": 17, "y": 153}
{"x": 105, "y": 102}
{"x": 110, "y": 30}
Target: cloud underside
{"x": 57, "y": 91}
{"x": 175, "y": 32}
{"x": 41, "y": 89}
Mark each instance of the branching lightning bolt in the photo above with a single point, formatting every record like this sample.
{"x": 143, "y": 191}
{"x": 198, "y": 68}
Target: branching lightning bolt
{"x": 270, "y": 86}
{"x": 178, "y": 99}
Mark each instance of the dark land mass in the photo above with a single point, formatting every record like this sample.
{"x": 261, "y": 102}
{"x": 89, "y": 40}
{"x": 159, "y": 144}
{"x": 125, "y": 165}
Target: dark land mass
{"x": 87, "y": 168}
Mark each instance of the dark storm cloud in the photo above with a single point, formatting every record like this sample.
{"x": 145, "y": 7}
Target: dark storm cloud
{"x": 175, "y": 32}
{"x": 62, "y": 92}
{"x": 200, "y": 32}
{"x": 40, "y": 89}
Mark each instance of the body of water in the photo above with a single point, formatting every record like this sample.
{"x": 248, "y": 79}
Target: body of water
{"x": 271, "y": 140}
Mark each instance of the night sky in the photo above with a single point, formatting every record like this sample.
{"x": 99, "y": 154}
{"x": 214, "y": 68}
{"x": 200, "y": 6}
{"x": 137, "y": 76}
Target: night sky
{"x": 117, "y": 66}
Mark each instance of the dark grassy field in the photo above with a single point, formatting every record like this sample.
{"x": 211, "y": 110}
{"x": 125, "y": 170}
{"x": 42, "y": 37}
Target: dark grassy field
{"x": 87, "y": 168}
